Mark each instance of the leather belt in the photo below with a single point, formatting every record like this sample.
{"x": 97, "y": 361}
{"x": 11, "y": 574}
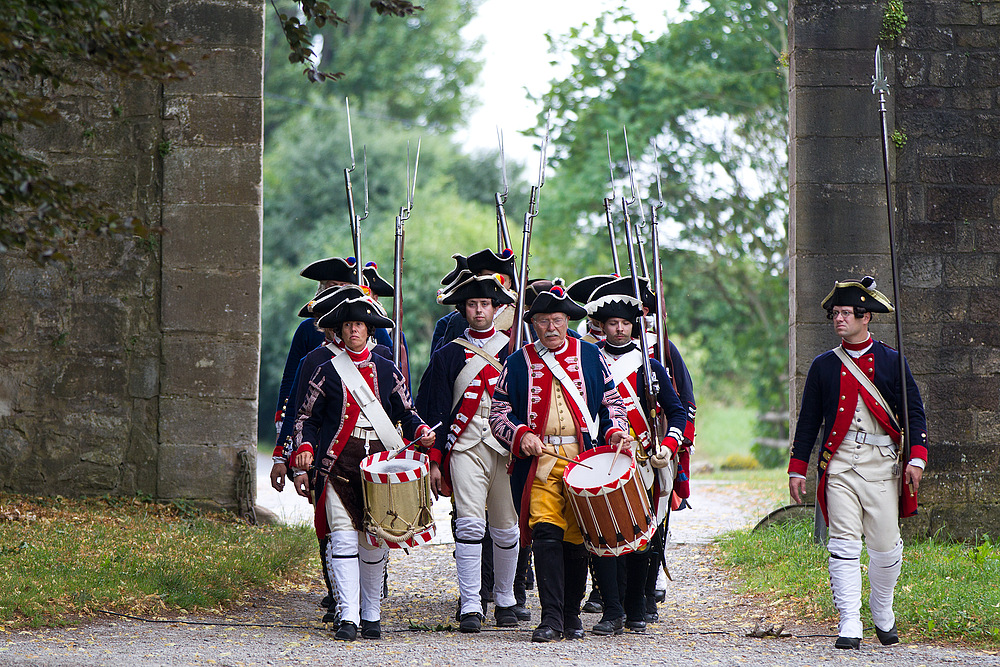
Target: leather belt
{"x": 363, "y": 433}
{"x": 559, "y": 439}
{"x": 866, "y": 438}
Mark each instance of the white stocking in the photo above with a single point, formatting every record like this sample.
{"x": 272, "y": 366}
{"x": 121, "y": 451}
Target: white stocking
{"x": 372, "y": 566}
{"x": 883, "y": 571}
{"x": 342, "y": 559}
{"x": 505, "y": 542}
{"x": 469, "y": 533}
{"x": 845, "y": 580}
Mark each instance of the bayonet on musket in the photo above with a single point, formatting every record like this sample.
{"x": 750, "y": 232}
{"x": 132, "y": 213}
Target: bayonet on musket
{"x": 397, "y": 260}
{"x": 662, "y": 354}
{"x": 608, "y": 217}
{"x": 880, "y": 87}
{"x": 500, "y": 198}
{"x": 519, "y": 331}
{"x": 355, "y": 220}
{"x": 652, "y": 384}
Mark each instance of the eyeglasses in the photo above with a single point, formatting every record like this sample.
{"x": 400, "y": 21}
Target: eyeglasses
{"x": 546, "y": 322}
{"x": 847, "y": 313}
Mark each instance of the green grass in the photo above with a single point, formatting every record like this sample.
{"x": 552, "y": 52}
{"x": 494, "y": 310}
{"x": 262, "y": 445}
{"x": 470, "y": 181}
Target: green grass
{"x": 67, "y": 557}
{"x": 723, "y": 430}
{"x": 947, "y": 591}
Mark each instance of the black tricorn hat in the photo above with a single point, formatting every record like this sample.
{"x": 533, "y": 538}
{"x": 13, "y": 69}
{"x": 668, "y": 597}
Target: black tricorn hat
{"x": 537, "y": 286}
{"x": 581, "y": 290}
{"x": 378, "y": 285}
{"x": 328, "y": 299}
{"x": 478, "y": 287}
{"x": 615, "y": 299}
{"x": 460, "y": 265}
{"x": 859, "y": 293}
{"x": 625, "y": 287}
{"x": 555, "y": 300}
{"x": 356, "y": 309}
{"x": 343, "y": 269}
{"x": 487, "y": 260}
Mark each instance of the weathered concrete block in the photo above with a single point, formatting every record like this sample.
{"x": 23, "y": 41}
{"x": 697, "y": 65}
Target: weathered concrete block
{"x": 938, "y": 488}
{"x": 211, "y": 366}
{"x": 841, "y": 216}
{"x": 191, "y": 420}
{"x": 969, "y": 270}
{"x": 214, "y": 121}
{"x": 206, "y": 235}
{"x": 959, "y": 203}
{"x": 225, "y": 71}
{"x": 198, "y": 472}
{"x": 211, "y": 302}
{"x": 980, "y": 393}
{"x": 964, "y": 522}
{"x": 213, "y": 176}
{"x": 836, "y": 26}
{"x": 834, "y": 112}
{"x": 839, "y": 160}
{"x": 955, "y": 13}
{"x": 229, "y": 22}
{"x": 929, "y": 237}
{"x": 818, "y": 67}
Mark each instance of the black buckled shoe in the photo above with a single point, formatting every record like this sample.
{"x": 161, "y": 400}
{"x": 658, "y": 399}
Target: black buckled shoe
{"x": 521, "y": 612}
{"x": 544, "y": 633}
{"x": 371, "y": 629}
{"x": 332, "y": 614}
{"x": 591, "y": 607}
{"x": 848, "y": 643}
{"x": 471, "y": 622}
{"x": 347, "y": 632}
{"x": 889, "y": 637}
{"x": 635, "y": 625}
{"x": 326, "y": 601}
{"x": 610, "y": 627}
{"x": 505, "y": 617}
{"x": 573, "y": 628}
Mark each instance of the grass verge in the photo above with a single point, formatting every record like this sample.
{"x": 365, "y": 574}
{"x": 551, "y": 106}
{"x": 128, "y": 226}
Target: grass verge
{"x": 69, "y": 557}
{"x": 947, "y": 591}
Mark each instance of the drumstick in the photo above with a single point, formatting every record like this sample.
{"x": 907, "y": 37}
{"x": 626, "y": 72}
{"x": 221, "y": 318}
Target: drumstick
{"x": 552, "y": 453}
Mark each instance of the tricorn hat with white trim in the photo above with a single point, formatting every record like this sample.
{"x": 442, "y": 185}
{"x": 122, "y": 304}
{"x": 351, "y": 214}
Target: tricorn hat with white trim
{"x": 859, "y": 293}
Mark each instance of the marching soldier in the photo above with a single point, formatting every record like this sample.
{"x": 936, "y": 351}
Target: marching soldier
{"x": 555, "y": 398}
{"x": 350, "y": 409}
{"x": 618, "y": 313}
{"x": 485, "y": 262}
{"x": 467, "y": 460}
{"x": 854, "y": 392}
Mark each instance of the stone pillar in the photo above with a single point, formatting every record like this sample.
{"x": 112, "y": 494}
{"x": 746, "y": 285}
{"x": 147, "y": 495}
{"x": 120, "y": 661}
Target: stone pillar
{"x": 943, "y": 76}
{"x": 212, "y": 220}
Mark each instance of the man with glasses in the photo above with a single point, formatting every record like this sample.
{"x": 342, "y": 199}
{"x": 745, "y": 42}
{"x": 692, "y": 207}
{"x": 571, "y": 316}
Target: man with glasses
{"x": 554, "y": 399}
{"x": 854, "y": 392}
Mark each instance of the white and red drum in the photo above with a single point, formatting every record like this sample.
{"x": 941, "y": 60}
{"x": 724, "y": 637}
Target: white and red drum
{"x": 397, "y": 495}
{"x": 609, "y": 502}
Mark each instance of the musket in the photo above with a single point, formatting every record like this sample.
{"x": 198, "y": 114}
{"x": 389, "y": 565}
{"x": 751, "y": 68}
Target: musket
{"x": 355, "y": 221}
{"x": 529, "y": 216}
{"x": 652, "y": 384}
{"x": 880, "y": 87}
{"x": 397, "y": 258}
{"x": 608, "y": 217}
{"x": 503, "y": 231}
{"x": 662, "y": 353}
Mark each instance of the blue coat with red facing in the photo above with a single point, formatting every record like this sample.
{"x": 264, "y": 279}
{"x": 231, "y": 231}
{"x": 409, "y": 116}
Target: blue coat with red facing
{"x": 829, "y": 400}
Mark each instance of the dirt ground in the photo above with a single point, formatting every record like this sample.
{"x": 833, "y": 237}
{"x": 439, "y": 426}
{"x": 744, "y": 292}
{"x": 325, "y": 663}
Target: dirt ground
{"x": 702, "y": 622}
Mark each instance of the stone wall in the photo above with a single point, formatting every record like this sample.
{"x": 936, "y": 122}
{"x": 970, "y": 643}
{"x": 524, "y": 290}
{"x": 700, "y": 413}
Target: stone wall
{"x": 135, "y": 368}
{"x": 945, "y": 81}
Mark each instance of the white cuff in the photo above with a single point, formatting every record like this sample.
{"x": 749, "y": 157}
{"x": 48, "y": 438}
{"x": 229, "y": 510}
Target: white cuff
{"x": 918, "y": 463}
{"x": 797, "y": 475}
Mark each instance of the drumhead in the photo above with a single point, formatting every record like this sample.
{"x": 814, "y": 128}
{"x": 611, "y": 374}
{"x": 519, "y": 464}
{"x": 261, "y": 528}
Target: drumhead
{"x": 602, "y": 471}
{"x": 389, "y": 466}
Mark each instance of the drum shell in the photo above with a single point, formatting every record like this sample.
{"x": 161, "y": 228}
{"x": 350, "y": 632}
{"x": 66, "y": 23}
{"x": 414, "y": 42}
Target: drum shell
{"x": 615, "y": 517}
{"x": 398, "y": 506}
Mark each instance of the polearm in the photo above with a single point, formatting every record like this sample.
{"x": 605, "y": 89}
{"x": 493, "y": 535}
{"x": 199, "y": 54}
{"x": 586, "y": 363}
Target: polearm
{"x": 880, "y": 87}
{"x": 609, "y": 218}
{"x": 397, "y": 260}
{"x": 355, "y": 221}
{"x": 529, "y": 217}
{"x": 652, "y": 384}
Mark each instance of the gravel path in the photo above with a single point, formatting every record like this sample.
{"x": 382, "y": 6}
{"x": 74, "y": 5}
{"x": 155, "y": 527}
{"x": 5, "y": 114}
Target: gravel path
{"x": 703, "y": 622}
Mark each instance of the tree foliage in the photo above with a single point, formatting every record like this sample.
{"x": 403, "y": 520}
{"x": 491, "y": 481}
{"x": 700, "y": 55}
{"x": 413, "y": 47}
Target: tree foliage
{"x": 46, "y": 45}
{"x": 712, "y": 96}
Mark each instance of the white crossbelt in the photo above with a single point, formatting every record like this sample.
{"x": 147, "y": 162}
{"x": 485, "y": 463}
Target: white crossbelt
{"x": 866, "y": 438}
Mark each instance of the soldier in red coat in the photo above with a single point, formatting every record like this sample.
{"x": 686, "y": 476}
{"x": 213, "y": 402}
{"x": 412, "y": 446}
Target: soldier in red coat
{"x": 854, "y": 392}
